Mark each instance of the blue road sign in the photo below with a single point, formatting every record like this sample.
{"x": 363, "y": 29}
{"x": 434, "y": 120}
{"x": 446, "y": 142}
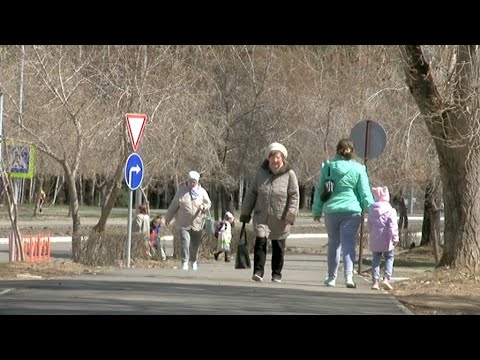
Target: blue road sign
{"x": 134, "y": 171}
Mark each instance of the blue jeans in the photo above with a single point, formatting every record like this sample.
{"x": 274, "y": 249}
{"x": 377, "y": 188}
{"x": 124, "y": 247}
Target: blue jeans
{"x": 377, "y": 258}
{"x": 342, "y": 229}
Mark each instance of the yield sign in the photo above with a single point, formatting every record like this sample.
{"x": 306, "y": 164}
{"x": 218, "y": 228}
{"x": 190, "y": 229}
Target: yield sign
{"x": 136, "y": 124}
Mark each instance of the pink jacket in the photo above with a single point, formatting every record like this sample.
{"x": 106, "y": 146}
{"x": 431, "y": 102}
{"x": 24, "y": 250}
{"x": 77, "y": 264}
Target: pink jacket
{"x": 382, "y": 223}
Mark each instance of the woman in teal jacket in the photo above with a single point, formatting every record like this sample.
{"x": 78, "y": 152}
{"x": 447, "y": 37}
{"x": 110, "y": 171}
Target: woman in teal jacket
{"x": 343, "y": 209}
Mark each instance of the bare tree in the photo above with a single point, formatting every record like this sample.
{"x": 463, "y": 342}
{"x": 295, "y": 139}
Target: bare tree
{"x": 444, "y": 82}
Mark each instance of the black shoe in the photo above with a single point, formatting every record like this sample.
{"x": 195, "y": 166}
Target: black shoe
{"x": 215, "y": 255}
{"x": 277, "y": 278}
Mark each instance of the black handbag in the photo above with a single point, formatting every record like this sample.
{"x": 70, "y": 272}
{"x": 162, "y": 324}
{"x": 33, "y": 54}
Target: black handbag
{"x": 327, "y": 189}
{"x": 242, "y": 259}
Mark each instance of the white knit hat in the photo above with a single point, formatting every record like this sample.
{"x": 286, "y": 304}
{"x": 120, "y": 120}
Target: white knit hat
{"x": 276, "y": 147}
{"x": 193, "y": 175}
{"x": 229, "y": 215}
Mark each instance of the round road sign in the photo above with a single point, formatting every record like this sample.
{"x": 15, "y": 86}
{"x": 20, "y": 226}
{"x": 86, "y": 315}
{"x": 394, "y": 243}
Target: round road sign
{"x": 372, "y": 133}
{"x": 134, "y": 171}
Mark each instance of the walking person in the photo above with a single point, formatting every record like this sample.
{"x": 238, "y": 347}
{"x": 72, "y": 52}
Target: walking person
{"x": 273, "y": 196}
{"x": 141, "y": 224}
{"x": 223, "y": 233}
{"x": 343, "y": 210}
{"x": 41, "y": 201}
{"x": 188, "y": 207}
{"x": 382, "y": 223}
{"x": 401, "y": 208}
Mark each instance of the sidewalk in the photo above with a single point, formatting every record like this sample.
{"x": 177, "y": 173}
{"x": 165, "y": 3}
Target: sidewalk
{"x": 302, "y": 288}
{"x": 217, "y": 287}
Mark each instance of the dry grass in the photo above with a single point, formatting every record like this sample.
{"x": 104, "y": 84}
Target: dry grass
{"x": 41, "y": 270}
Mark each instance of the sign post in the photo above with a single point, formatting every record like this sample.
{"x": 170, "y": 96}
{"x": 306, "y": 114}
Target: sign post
{"x": 133, "y": 168}
{"x": 133, "y": 179}
{"x": 369, "y": 139}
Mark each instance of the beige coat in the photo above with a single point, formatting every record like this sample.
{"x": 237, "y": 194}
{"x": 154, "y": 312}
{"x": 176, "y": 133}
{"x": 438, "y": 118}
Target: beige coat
{"x": 276, "y": 195}
{"x": 141, "y": 224}
{"x": 186, "y": 211}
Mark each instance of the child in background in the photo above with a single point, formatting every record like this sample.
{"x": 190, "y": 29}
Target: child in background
{"x": 223, "y": 233}
{"x": 383, "y": 226}
{"x": 41, "y": 201}
{"x": 155, "y": 240}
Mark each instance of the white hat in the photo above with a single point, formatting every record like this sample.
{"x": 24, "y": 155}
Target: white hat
{"x": 276, "y": 147}
{"x": 229, "y": 215}
{"x": 193, "y": 175}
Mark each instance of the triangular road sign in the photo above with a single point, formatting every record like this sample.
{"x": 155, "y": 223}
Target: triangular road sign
{"x": 136, "y": 124}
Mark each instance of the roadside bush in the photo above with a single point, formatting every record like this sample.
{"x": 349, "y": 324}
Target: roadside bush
{"x": 108, "y": 248}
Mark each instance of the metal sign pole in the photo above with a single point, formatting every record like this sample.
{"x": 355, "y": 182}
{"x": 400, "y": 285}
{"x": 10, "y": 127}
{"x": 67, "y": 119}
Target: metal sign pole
{"x": 369, "y": 139}
{"x": 129, "y": 241}
{"x": 134, "y": 169}
{"x": 365, "y": 159}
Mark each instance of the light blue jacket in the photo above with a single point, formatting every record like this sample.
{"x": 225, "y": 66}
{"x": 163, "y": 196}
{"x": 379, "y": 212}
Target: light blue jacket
{"x": 351, "y": 188}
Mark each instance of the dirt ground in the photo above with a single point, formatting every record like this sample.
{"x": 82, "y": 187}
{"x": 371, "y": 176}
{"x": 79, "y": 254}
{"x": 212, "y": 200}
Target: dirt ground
{"x": 421, "y": 288}
{"x": 432, "y": 291}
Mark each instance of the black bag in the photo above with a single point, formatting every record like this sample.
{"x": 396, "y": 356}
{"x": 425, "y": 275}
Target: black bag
{"x": 327, "y": 189}
{"x": 242, "y": 260}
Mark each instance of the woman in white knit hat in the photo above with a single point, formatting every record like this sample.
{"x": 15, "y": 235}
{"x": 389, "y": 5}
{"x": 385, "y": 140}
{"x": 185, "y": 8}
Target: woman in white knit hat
{"x": 188, "y": 207}
{"x": 273, "y": 196}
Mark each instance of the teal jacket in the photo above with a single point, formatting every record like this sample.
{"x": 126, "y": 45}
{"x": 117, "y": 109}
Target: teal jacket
{"x": 351, "y": 188}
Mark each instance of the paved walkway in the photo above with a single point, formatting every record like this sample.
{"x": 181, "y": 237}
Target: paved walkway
{"x": 215, "y": 288}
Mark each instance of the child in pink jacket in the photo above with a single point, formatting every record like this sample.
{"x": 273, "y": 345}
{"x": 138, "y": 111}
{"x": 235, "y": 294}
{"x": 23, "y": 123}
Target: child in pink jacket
{"x": 383, "y": 226}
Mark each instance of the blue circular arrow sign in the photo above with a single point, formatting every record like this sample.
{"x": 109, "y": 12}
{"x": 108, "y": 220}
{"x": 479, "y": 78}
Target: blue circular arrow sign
{"x": 134, "y": 171}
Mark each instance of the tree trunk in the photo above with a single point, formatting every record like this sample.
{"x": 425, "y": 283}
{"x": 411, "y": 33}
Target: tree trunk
{"x": 451, "y": 121}
{"x": 427, "y": 211}
{"x": 80, "y": 190}
{"x": 58, "y": 186}
{"x": 13, "y": 216}
{"x": 92, "y": 191}
{"x": 112, "y": 196}
{"x": 435, "y": 233}
{"x": 74, "y": 212}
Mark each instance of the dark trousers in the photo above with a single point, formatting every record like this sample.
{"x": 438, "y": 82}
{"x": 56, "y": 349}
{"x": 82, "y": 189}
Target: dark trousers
{"x": 260, "y": 257}
{"x": 227, "y": 255}
{"x": 403, "y": 222}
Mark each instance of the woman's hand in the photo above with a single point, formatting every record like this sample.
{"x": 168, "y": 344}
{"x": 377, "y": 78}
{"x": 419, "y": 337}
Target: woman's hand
{"x": 317, "y": 218}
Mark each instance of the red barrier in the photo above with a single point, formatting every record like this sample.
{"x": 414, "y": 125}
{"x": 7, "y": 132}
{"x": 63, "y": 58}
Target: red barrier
{"x": 35, "y": 248}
